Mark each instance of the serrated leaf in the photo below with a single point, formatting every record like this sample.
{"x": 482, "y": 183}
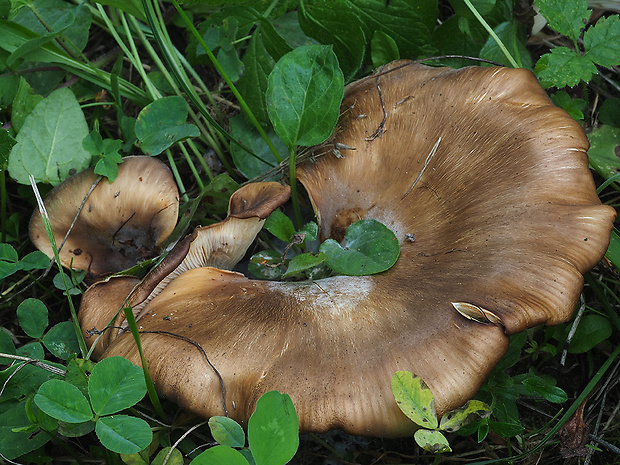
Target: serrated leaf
{"x": 305, "y": 89}
{"x": 369, "y": 248}
{"x": 273, "y": 430}
{"x": 123, "y": 434}
{"x": 162, "y": 123}
{"x": 63, "y": 401}
{"x": 604, "y": 152}
{"x": 227, "y": 431}
{"x": 220, "y": 455}
{"x": 49, "y": 145}
{"x": 432, "y": 441}
{"x": 565, "y": 16}
{"x": 455, "y": 419}
{"x": 114, "y": 385}
{"x": 333, "y": 22}
{"x": 61, "y": 340}
{"x": 303, "y": 262}
{"x": 564, "y": 67}
{"x": 415, "y": 399}
{"x": 602, "y": 42}
{"x": 32, "y": 317}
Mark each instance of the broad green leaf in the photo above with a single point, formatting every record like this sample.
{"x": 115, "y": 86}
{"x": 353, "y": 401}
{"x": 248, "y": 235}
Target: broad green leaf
{"x": 311, "y": 230}
{"x": 8, "y": 253}
{"x": 14, "y": 443}
{"x": 123, "y": 434}
{"x": 63, "y": 401}
{"x": 565, "y": 16}
{"x": 6, "y": 347}
{"x": 8, "y": 268}
{"x": 220, "y": 455}
{"x": 36, "y": 260}
{"x": 604, "y": 152}
{"x": 592, "y": 330}
{"x": 432, "y": 441}
{"x": 163, "y": 123}
{"x": 613, "y": 252}
{"x": 370, "y": 247}
{"x": 19, "y": 381}
{"x": 543, "y": 386}
{"x": 273, "y": 429}
{"x": 75, "y": 430}
{"x": 61, "y": 340}
{"x": 56, "y": 15}
{"x": 24, "y": 103}
{"x": 513, "y": 36}
{"x": 275, "y": 44}
{"x": 415, "y": 399}
{"x": 49, "y": 145}
{"x": 409, "y": 23}
{"x": 564, "y": 67}
{"x": 333, "y": 22}
{"x": 174, "y": 458}
{"x": 305, "y": 89}
{"x": 457, "y": 418}
{"x": 574, "y": 107}
{"x": 506, "y": 430}
{"x": 262, "y": 159}
{"x": 483, "y": 7}
{"x": 227, "y": 431}
{"x": 32, "y": 350}
{"x": 303, "y": 262}
{"x": 449, "y": 39}
{"x": 32, "y": 316}
{"x": 253, "y": 84}
{"x": 609, "y": 113}
{"x": 383, "y": 49}
{"x": 602, "y": 42}
{"x": 114, "y": 385}
{"x": 132, "y": 7}
{"x": 280, "y": 226}
{"x": 266, "y": 264}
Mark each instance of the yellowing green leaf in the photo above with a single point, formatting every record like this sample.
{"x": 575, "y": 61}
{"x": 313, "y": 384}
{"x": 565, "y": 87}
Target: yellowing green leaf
{"x": 457, "y": 418}
{"x": 415, "y": 399}
{"x": 432, "y": 441}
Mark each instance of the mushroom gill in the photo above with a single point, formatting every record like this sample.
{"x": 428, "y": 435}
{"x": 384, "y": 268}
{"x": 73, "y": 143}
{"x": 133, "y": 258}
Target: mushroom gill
{"x": 485, "y": 184}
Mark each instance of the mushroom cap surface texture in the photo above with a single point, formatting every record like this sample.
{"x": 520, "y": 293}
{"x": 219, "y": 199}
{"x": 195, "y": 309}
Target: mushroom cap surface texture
{"x": 120, "y": 224}
{"x": 485, "y": 184}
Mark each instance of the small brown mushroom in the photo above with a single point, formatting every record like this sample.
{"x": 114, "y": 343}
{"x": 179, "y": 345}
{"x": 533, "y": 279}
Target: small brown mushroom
{"x": 493, "y": 183}
{"x": 220, "y": 245}
{"x": 120, "y": 223}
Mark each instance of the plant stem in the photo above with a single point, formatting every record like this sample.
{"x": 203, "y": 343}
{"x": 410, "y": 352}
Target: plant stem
{"x": 491, "y": 32}
{"x": 292, "y": 154}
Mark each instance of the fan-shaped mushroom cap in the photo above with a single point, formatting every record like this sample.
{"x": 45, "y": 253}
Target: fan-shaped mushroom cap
{"x": 486, "y": 185}
{"x": 120, "y": 223}
{"x": 221, "y": 245}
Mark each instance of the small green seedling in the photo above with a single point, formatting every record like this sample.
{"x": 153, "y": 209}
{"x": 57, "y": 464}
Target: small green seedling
{"x": 273, "y": 435}
{"x": 416, "y": 400}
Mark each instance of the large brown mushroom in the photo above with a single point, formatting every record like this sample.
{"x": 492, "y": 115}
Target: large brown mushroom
{"x": 119, "y": 224}
{"x": 485, "y": 184}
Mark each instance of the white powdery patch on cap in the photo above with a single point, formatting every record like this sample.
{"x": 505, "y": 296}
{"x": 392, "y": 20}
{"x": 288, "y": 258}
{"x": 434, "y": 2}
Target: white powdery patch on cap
{"x": 338, "y": 295}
